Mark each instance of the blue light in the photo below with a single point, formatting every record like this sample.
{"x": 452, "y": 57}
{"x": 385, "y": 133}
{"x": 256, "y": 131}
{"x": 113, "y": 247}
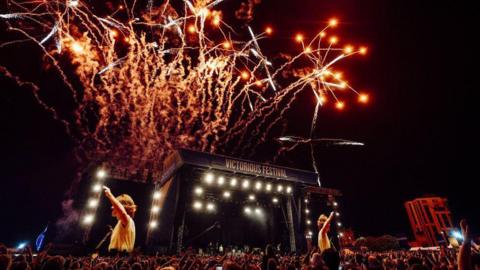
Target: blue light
{"x": 22, "y": 245}
{"x": 457, "y": 235}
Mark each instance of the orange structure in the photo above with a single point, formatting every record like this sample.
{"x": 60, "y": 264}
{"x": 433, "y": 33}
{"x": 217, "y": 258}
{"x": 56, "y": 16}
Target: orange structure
{"x": 430, "y": 219}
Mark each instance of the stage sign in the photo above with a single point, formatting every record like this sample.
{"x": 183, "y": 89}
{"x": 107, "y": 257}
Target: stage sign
{"x": 183, "y": 157}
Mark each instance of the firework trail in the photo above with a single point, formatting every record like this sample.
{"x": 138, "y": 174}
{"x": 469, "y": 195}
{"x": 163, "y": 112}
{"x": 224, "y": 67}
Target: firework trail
{"x": 155, "y": 77}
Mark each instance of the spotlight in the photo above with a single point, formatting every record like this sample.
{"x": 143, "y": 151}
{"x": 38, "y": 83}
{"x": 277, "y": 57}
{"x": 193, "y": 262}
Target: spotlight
{"x": 251, "y": 197}
{"x": 307, "y": 211}
{"x": 22, "y": 245}
{"x": 155, "y": 209}
{"x": 339, "y": 224}
{"x": 306, "y": 200}
{"x": 209, "y": 178}
{"x": 258, "y": 211}
{"x": 92, "y": 203}
{"x": 289, "y": 189}
{"x": 335, "y": 204}
{"x": 258, "y": 185}
{"x": 310, "y": 233}
{"x": 226, "y": 194}
{"x": 279, "y": 188}
{"x": 88, "y": 219}
{"x": 210, "y": 207}
{"x": 197, "y": 205}
{"x": 156, "y": 195}
{"x": 337, "y": 214}
{"x": 97, "y": 187}
{"x": 198, "y": 190}
{"x": 247, "y": 210}
{"x": 246, "y": 184}
{"x": 457, "y": 235}
{"x": 221, "y": 180}
{"x": 101, "y": 173}
{"x": 153, "y": 224}
{"x": 268, "y": 187}
{"x": 233, "y": 182}
{"x": 275, "y": 200}
{"x": 309, "y": 222}
{"x": 340, "y": 234}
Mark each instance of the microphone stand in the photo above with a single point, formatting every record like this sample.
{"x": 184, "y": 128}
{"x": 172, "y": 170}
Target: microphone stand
{"x": 110, "y": 230}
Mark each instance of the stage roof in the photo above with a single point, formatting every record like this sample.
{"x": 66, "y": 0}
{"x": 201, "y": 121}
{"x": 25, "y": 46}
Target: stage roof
{"x": 186, "y": 157}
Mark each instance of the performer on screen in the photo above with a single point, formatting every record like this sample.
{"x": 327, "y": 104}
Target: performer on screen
{"x": 123, "y": 235}
{"x": 323, "y": 224}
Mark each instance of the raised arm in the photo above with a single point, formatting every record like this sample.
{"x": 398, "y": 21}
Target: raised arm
{"x": 122, "y": 213}
{"x": 464, "y": 255}
{"x": 326, "y": 225}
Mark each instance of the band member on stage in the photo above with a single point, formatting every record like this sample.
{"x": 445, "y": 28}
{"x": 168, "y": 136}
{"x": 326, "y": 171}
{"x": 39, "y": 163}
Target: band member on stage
{"x": 323, "y": 224}
{"x": 123, "y": 235}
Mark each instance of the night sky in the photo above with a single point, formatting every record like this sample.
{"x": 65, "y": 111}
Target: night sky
{"x": 420, "y": 128}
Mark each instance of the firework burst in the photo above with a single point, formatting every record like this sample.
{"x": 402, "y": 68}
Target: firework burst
{"x": 155, "y": 77}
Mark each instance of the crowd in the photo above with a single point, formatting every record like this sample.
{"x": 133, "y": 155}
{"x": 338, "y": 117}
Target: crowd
{"x": 465, "y": 258}
{"x": 323, "y": 257}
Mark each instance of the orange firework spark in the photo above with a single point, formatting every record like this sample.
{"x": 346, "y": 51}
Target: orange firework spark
{"x": 175, "y": 82}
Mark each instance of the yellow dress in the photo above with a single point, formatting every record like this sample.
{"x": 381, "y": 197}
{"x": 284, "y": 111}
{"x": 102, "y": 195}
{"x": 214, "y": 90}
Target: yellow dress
{"x": 123, "y": 237}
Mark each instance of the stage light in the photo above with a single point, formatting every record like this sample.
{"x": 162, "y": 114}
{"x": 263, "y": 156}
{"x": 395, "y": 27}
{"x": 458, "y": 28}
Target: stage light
{"x": 88, "y": 219}
{"x": 275, "y": 200}
{"x": 233, "y": 182}
{"x": 251, "y": 197}
{"x": 22, "y": 245}
{"x": 101, "y": 173}
{"x": 226, "y": 194}
{"x": 279, "y": 188}
{"x": 335, "y": 204}
{"x": 339, "y": 224}
{"x": 153, "y": 224}
{"x": 289, "y": 189}
{"x": 210, "y": 207}
{"x": 246, "y": 184}
{"x": 97, "y": 187}
{"x": 92, "y": 203}
{"x": 268, "y": 187}
{"x": 340, "y": 235}
{"x": 155, "y": 209}
{"x": 309, "y": 222}
{"x": 310, "y": 233}
{"x": 156, "y": 195}
{"x": 198, "y": 190}
{"x": 209, "y": 178}
{"x": 258, "y": 185}
{"x": 457, "y": 235}
{"x": 337, "y": 214}
{"x": 221, "y": 180}
{"x": 258, "y": 211}
{"x": 197, "y": 205}
{"x": 307, "y": 211}
{"x": 306, "y": 200}
{"x": 247, "y": 210}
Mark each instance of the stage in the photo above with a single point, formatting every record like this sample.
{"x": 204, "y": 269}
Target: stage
{"x": 213, "y": 202}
